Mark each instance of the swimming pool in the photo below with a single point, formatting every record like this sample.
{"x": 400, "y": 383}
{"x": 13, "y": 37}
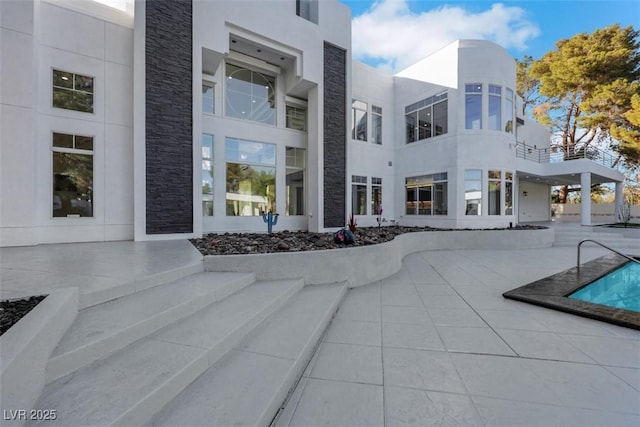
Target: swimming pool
{"x": 619, "y": 288}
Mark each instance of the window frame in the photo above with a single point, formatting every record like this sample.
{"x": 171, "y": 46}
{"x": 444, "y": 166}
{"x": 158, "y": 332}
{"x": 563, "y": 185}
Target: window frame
{"x": 359, "y": 184}
{"x": 426, "y": 185}
{"x": 208, "y": 197}
{"x": 412, "y": 113}
{"x": 72, "y": 151}
{"x": 72, "y": 90}
{"x": 297, "y": 168}
{"x": 228, "y": 107}
{"x": 359, "y": 108}
{"x": 473, "y": 91}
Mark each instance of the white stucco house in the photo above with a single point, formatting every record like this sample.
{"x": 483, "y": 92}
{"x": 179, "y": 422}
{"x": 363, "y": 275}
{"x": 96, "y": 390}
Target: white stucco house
{"x": 176, "y": 118}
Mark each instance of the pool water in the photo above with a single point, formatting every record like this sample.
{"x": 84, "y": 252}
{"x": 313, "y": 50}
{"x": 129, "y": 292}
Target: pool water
{"x": 620, "y": 289}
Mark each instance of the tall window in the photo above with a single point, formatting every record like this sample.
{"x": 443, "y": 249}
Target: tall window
{"x": 495, "y": 107}
{"x": 359, "y": 113}
{"x": 376, "y": 124}
{"x": 250, "y": 95}
{"x": 508, "y": 114}
{"x": 508, "y": 193}
{"x": 296, "y": 166}
{"x": 376, "y": 196}
{"x": 207, "y": 174}
{"x": 72, "y": 175}
{"x": 473, "y": 106}
{"x": 473, "y": 192}
{"x": 426, "y": 194}
{"x": 427, "y": 118}
{"x": 208, "y": 97}
{"x": 296, "y": 117}
{"x": 251, "y": 177}
{"x": 72, "y": 91}
{"x": 359, "y": 195}
{"x": 495, "y": 205}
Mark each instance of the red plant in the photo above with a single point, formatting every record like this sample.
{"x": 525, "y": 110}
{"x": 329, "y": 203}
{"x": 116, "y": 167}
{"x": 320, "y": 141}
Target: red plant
{"x": 352, "y": 224}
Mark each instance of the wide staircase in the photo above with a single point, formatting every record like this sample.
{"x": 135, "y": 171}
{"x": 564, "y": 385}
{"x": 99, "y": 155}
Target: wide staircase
{"x": 569, "y": 235}
{"x": 207, "y": 349}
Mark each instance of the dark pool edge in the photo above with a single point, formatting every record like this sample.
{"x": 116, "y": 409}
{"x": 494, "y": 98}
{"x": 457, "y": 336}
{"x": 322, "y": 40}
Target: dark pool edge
{"x": 551, "y": 292}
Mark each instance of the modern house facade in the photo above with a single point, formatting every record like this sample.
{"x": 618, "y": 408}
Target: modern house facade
{"x": 178, "y": 118}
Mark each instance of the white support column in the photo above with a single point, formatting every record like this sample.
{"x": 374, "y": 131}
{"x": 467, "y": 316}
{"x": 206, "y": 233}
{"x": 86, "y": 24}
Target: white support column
{"x": 585, "y": 198}
{"x": 619, "y": 200}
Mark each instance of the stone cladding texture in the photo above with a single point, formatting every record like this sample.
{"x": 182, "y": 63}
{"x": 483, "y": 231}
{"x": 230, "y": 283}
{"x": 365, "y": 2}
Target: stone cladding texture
{"x": 169, "y": 116}
{"x": 335, "y": 131}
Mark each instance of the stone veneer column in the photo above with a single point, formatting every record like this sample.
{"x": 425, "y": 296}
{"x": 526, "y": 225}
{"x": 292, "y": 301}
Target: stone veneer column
{"x": 169, "y": 116}
{"x": 335, "y": 130}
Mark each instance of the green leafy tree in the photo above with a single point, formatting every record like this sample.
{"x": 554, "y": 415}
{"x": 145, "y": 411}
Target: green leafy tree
{"x": 586, "y": 87}
{"x": 526, "y": 85}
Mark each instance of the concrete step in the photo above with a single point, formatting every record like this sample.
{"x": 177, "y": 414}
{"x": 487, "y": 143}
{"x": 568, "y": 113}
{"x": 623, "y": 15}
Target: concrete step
{"x": 249, "y": 387}
{"x": 128, "y": 387}
{"x": 101, "y": 330}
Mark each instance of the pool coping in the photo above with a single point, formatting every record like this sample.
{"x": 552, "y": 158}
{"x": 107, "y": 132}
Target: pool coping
{"x": 551, "y": 292}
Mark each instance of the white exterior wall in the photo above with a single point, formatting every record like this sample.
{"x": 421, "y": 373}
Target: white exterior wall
{"x": 534, "y": 201}
{"x": 38, "y": 37}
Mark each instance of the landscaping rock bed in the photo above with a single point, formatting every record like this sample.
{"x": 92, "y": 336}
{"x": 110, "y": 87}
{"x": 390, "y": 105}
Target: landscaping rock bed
{"x": 298, "y": 241}
{"x": 13, "y": 310}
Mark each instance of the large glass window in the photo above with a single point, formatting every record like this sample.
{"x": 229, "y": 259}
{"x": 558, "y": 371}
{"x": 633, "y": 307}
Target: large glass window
{"x": 473, "y": 192}
{"x": 251, "y": 177}
{"x": 250, "y": 95}
{"x": 376, "y": 124}
{"x": 208, "y": 97}
{"x": 72, "y": 175}
{"x": 508, "y": 193}
{"x": 296, "y": 118}
{"x": 426, "y": 194}
{"x": 359, "y": 195}
{"x": 296, "y": 166}
{"x": 359, "y": 120}
{"x": 207, "y": 174}
{"x": 376, "y": 196}
{"x": 495, "y": 178}
{"x": 427, "y": 118}
{"x": 495, "y": 107}
{"x": 473, "y": 106}
{"x": 508, "y": 114}
{"x": 72, "y": 91}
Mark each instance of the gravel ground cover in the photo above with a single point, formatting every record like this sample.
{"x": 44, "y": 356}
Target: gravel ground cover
{"x": 13, "y": 310}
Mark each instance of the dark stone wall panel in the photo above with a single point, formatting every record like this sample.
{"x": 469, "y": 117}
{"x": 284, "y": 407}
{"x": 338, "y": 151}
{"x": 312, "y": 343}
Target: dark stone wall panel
{"x": 335, "y": 131}
{"x": 169, "y": 116}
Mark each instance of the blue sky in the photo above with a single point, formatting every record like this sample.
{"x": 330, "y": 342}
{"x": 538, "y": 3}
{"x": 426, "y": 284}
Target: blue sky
{"x": 392, "y": 34}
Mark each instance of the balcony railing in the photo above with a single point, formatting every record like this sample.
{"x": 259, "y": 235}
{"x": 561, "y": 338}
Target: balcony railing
{"x": 556, "y": 154}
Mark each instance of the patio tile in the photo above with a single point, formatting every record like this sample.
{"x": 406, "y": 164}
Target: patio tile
{"x": 343, "y": 362}
{"x": 435, "y": 290}
{"x": 630, "y": 376}
{"x": 353, "y": 308}
{"x": 412, "y": 315}
{"x": 455, "y": 317}
{"x": 473, "y": 340}
{"x": 498, "y": 412}
{"x": 608, "y": 350}
{"x": 543, "y": 345}
{"x": 410, "y": 407}
{"x": 444, "y": 301}
{"x": 512, "y": 319}
{"x": 346, "y": 331}
{"x": 335, "y": 403}
{"x": 547, "y": 382}
{"x": 401, "y": 296}
{"x": 419, "y": 337}
{"x": 426, "y": 370}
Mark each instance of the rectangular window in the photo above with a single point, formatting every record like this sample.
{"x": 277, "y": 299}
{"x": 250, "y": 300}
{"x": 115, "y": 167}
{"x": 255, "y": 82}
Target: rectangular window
{"x": 72, "y": 91}
{"x": 473, "y": 106}
{"x": 250, "y": 95}
{"x": 427, "y": 118}
{"x": 208, "y": 97}
{"x": 508, "y": 193}
{"x": 376, "y": 124}
{"x": 359, "y": 117}
{"x": 359, "y": 195}
{"x": 473, "y": 192}
{"x": 296, "y": 118}
{"x": 426, "y": 194}
{"x": 296, "y": 167}
{"x": 207, "y": 174}
{"x": 495, "y": 107}
{"x": 376, "y": 196}
{"x": 495, "y": 205}
{"x": 72, "y": 175}
{"x": 251, "y": 177}
{"x": 508, "y": 114}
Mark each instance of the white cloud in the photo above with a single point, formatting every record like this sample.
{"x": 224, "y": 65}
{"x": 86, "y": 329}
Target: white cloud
{"x": 393, "y": 37}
